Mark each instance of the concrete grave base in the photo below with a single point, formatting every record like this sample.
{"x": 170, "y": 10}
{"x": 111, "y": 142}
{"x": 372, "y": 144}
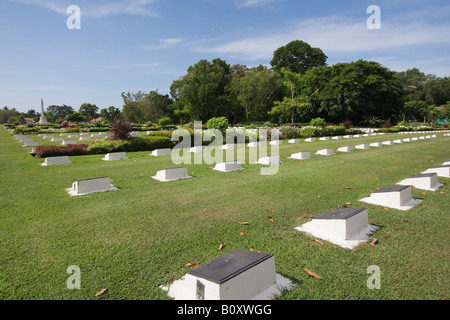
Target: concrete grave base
{"x": 55, "y": 161}
{"x": 363, "y": 146}
{"x": 326, "y": 152}
{"x": 294, "y": 141}
{"x": 228, "y": 166}
{"x": 310, "y": 139}
{"x": 254, "y": 144}
{"x": 67, "y": 142}
{"x": 239, "y": 275}
{"x": 115, "y": 156}
{"x": 172, "y": 174}
{"x": 399, "y": 197}
{"x": 441, "y": 170}
{"x": 388, "y": 143}
{"x": 276, "y": 143}
{"x": 197, "y": 149}
{"x": 324, "y": 139}
{"x": 376, "y": 144}
{"x": 346, "y": 227}
{"x": 83, "y": 187}
{"x": 269, "y": 160}
{"x": 161, "y": 152}
{"x": 345, "y": 149}
{"x": 424, "y": 181}
{"x": 301, "y": 155}
{"x": 229, "y": 146}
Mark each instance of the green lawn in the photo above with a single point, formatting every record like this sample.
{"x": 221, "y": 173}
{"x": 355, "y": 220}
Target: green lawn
{"x": 141, "y": 236}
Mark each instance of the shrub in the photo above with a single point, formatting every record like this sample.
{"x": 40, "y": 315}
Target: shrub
{"x": 24, "y": 130}
{"x": 165, "y": 121}
{"x": 148, "y": 143}
{"x": 318, "y": 122}
{"x": 347, "y": 124}
{"x": 57, "y": 151}
{"x": 120, "y": 129}
{"x": 220, "y": 123}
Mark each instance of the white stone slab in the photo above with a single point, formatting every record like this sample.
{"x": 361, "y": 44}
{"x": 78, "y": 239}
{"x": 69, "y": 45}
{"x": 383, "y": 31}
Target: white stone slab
{"x": 47, "y": 136}
{"x": 415, "y": 139}
{"x": 72, "y": 136}
{"x": 161, "y": 152}
{"x": 388, "y": 143}
{"x": 67, "y": 142}
{"x": 228, "y": 166}
{"x": 229, "y": 146}
{"x": 269, "y": 160}
{"x": 326, "y": 152}
{"x": 324, "y": 139}
{"x": 441, "y": 170}
{"x": 172, "y": 174}
{"x": 407, "y": 140}
{"x": 113, "y": 156}
{"x": 84, "y": 138}
{"x": 276, "y": 143}
{"x": 56, "y": 161}
{"x": 357, "y": 136}
{"x": 348, "y": 136}
{"x": 301, "y": 155}
{"x": 346, "y": 227}
{"x": 196, "y": 149}
{"x": 345, "y": 149}
{"x": 399, "y": 197}
{"x": 310, "y": 139}
{"x": 83, "y": 187}
{"x": 337, "y": 138}
{"x": 64, "y": 134}
{"x": 239, "y": 275}
{"x": 363, "y": 146}
{"x": 446, "y": 162}
{"x": 294, "y": 140}
{"x": 424, "y": 181}
{"x": 84, "y": 134}
{"x": 376, "y": 144}
{"x": 56, "y": 139}
{"x": 31, "y": 144}
{"x": 398, "y": 141}
{"x": 254, "y": 144}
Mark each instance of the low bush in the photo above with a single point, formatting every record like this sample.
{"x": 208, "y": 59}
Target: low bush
{"x": 25, "y": 130}
{"x": 57, "y": 151}
{"x": 135, "y": 144}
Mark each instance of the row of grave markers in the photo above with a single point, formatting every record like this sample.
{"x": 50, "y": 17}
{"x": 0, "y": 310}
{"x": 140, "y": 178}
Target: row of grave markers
{"x": 245, "y": 274}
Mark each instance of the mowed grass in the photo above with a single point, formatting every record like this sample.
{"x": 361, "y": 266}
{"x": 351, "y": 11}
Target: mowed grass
{"x": 142, "y": 236}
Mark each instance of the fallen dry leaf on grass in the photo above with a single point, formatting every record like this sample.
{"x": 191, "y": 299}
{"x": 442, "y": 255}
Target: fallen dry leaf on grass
{"x": 413, "y": 232}
{"x": 101, "y": 292}
{"x": 375, "y": 240}
{"x": 222, "y": 244}
{"x": 313, "y": 274}
{"x": 243, "y": 223}
{"x": 270, "y": 218}
{"x": 195, "y": 265}
{"x": 349, "y": 188}
{"x": 318, "y": 241}
{"x": 242, "y": 234}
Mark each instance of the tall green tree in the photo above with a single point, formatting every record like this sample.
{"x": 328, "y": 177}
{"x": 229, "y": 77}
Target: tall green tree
{"x": 298, "y": 56}
{"x": 356, "y": 90}
{"x": 89, "y": 111}
{"x": 202, "y": 90}
{"x": 257, "y": 90}
{"x": 56, "y": 113}
{"x": 143, "y": 107}
{"x": 110, "y": 113}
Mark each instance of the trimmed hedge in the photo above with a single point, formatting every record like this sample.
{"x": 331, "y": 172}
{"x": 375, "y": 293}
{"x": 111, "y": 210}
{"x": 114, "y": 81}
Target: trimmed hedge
{"x": 132, "y": 145}
{"x": 57, "y": 151}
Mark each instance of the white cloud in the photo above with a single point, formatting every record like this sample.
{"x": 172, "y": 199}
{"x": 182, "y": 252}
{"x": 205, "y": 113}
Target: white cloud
{"x": 335, "y": 35}
{"x": 164, "y": 43}
{"x": 98, "y": 8}
{"x": 252, "y": 3}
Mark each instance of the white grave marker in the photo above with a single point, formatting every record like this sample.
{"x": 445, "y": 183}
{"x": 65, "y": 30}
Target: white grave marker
{"x": 363, "y": 146}
{"x": 345, "y": 149}
{"x": 115, "y": 156}
{"x": 424, "y": 181}
{"x": 172, "y": 174}
{"x": 239, "y": 275}
{"x": 161, "y": 152}
{"x": 301, "y": 155}
{"x": 398, "y": 197}
{"x": 83, "y": 187}
{"x": 441, "y": 170}
{"x": 326, "y": 152}
{"x": 228, "y": 166}
{"x": 55, "y": 161}
{"x": 345, "y": 227}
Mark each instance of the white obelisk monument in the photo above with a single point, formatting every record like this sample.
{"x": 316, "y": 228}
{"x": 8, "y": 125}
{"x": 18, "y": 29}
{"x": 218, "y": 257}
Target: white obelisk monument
{"x": 43, "y": 120}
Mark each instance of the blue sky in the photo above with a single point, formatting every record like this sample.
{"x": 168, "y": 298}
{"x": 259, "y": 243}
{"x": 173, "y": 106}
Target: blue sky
{"x": 132, "y": 45}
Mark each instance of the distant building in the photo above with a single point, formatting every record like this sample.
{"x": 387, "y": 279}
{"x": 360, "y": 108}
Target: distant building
{"x": 97, "y": 120}
{"x": 29, "y": 120}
